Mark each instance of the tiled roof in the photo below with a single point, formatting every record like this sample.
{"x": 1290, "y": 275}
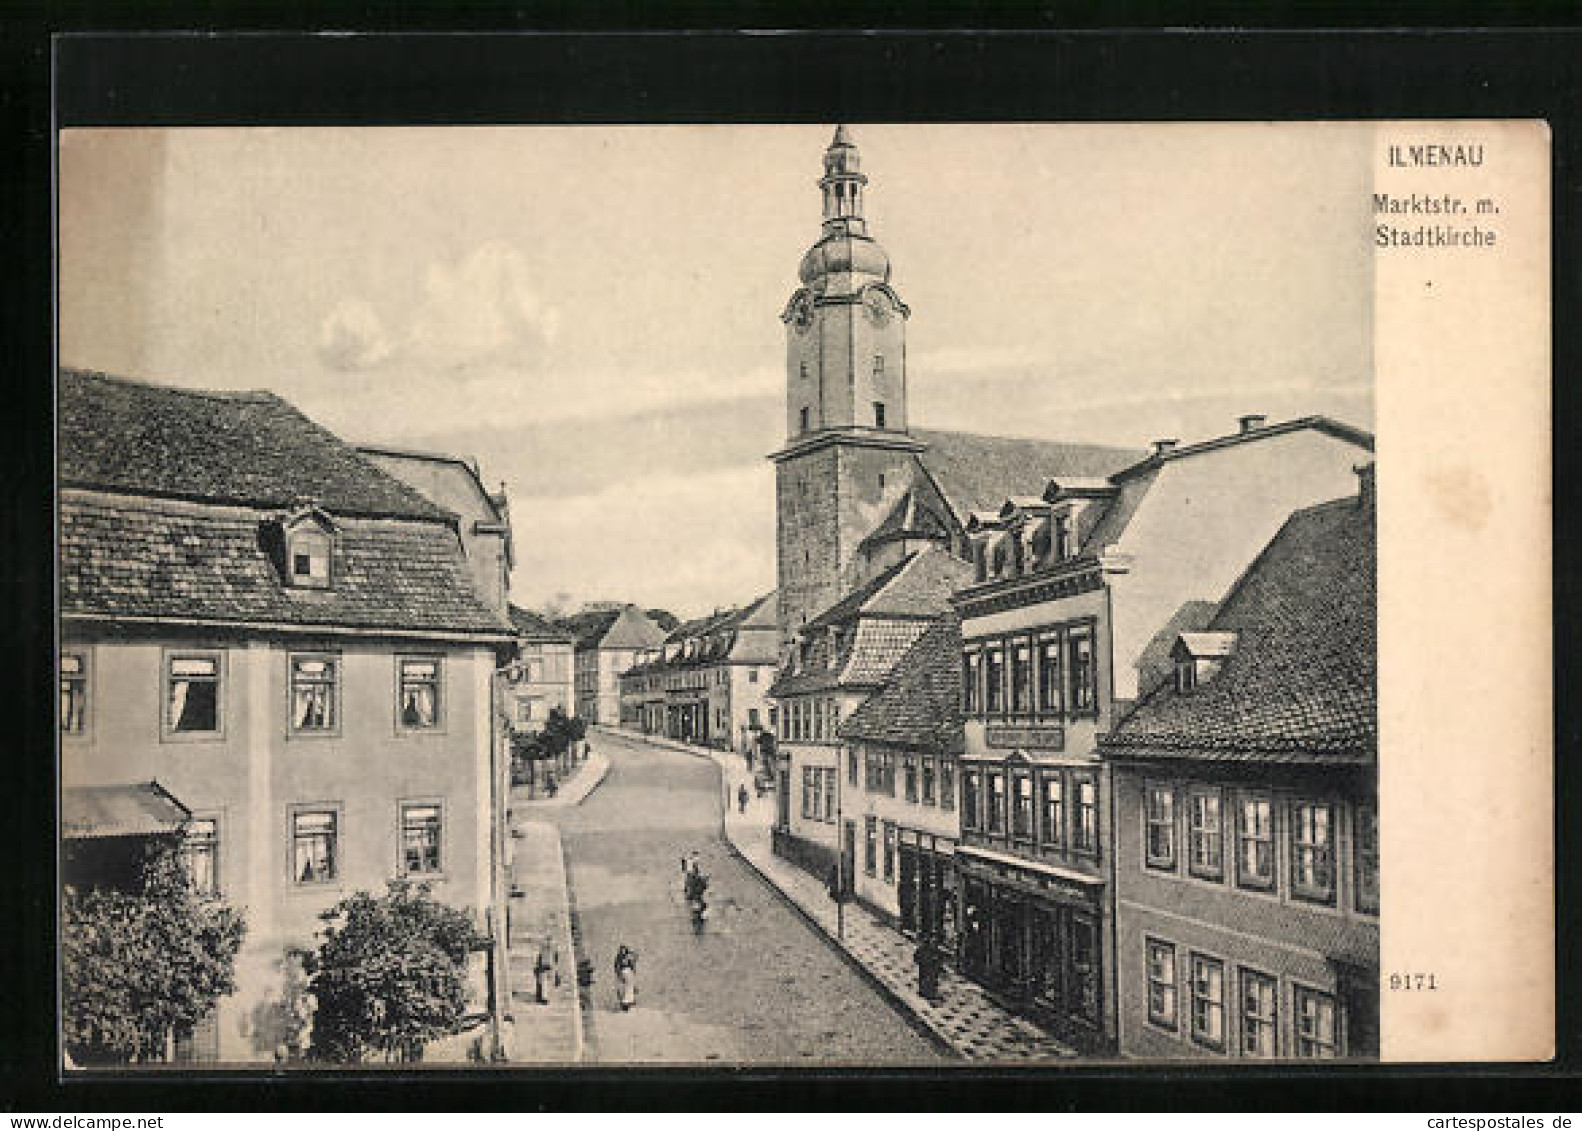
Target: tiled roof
{"x": 624, "y": 627}
{"x": 143, "y": 809}
{"x": 150, "y": 557}
{"x": 844, "y": 609}
{"x": 980, "y": 472}
{"x": 532, "y": 626}
{"x": 923, "y": 587}
{"x": 877, "y": 647}
{"x": 246, "y": 448}
{"x": 920, "y": 704}
{"x": 1302, "y": 676}
{"x": 588, "y": 627}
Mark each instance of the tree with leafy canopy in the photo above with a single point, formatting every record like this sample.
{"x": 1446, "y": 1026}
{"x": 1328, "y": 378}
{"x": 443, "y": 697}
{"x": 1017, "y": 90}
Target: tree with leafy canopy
{"x": 138, "y": 966}
{"x": 390, "y": 975}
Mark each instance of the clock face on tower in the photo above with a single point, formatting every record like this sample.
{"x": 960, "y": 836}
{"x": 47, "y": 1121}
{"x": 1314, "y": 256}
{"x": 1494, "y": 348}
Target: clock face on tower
{"x": 877, "y": 306}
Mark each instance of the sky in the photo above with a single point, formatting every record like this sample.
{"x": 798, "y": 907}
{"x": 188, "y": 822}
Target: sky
{"x": 593, "y": 312}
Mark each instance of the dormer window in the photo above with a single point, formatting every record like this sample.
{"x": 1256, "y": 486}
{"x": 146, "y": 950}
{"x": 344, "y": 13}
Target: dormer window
{"x": 1199, "y": 656}
{"x": 309, "y": 537}
{"x": 1186, "y": 675}
{"x": 1063, "y": 547}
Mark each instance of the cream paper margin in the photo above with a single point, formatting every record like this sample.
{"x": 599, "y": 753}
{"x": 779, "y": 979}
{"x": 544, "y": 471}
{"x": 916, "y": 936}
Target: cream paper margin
{"x": 1462, "y": 369}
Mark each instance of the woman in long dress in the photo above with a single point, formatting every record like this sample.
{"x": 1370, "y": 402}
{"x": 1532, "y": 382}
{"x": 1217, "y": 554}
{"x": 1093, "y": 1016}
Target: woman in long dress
{"x": 626, "y": 977}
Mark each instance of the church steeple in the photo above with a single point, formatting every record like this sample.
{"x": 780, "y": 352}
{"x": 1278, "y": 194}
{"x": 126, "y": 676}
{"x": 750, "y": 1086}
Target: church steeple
{"x": 842, "y": 185}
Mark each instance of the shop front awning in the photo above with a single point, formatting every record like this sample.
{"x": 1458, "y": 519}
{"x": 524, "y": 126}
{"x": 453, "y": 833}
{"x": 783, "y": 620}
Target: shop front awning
{"x": 139, "y": 809}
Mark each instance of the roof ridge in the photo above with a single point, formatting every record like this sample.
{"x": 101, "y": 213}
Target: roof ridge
{"x": 260, "y": 395}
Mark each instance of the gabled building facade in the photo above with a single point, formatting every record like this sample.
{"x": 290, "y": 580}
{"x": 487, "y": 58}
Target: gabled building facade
{"x": 540, "y": 679}
{"x": 608, "y": 640}
{"x": 707, "y": 682}
{"x": 1079, "y": 594}
{"x": 290, "y": 642}
{"x": 1246, "y": 802}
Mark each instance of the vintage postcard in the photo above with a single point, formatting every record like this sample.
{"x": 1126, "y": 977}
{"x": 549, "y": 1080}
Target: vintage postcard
{"x": 839, "y": 595}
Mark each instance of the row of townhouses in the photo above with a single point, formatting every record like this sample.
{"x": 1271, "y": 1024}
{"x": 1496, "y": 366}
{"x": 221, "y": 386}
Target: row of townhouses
{"x": 707, "y": 682}
{"x": 1100, "y": 721}
{"x": 296, "y": 654}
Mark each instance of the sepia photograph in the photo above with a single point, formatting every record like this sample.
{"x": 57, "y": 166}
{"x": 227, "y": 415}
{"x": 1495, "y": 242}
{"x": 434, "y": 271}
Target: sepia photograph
{"x": 840, "y": 595}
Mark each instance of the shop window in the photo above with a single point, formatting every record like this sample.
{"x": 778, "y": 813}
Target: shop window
{"x": 315, "y": 694}
{"x": 1085, "y": 834}
{"x": 996, "y": 815}
{"x": 1317, "y": 1035}
{"x": 1053, "y": 830}
{"x": 200, "y": 855}
{"x": 1259, "y": 993}
{"x": 315, "y": 846}
{"x": 192, "y": 693}
{"x": 418, "y": 694}
{"x": 1022, "y": 806}
{"x": 1049, "y": 690}
{"x": 1313, "y": 851}
{"x": 1161, "y": 961}
{"x": 73, "y": 692}
{"x": 1208, "y": 1001}
{"x": 1085, "y": 972}
{"x": 1205, "y": 834}
{"x": 421, "y": 839}
{"x": 1160, "y": 832}
{"x": 1255, "y": 841}
{"x": 1366, "y": 859}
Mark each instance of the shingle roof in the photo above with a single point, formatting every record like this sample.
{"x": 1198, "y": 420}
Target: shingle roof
{"x": 980, "y": 472}
{"x": 1302, "y": 676}
{"x": 920, "y": 704}
{"x": 532, "y": 626}
{"x": 143, "y": 809}
{"x": 151, "y": 557}
{"x": 250, "y": 448}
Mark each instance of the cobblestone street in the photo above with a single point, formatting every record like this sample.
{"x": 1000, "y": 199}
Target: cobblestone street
{"x": 758, "y": 985}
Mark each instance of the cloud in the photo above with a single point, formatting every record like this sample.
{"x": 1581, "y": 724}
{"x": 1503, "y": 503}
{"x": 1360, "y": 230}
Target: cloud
{"x": 353, "y": 337}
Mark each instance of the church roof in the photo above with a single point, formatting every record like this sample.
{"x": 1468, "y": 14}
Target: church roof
{"x": 908, "y": 519}
{"x": 978, "y": 473}
{"x": 1300, "y": 682}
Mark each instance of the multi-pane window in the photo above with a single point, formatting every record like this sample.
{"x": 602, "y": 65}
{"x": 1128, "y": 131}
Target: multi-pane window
{"x": 994, "y": 679}
{"x": 73, "y": 692}
{"x": 807, "y": 792}
{"x": 419, "y": 693}
{"x": 1052, "y": 832}
{"x": 829, "y": 793}
{"x": 1049, "y": 693}
{"x": 1021, "y": 677}
{"x": 1082, "y": 674}
{"x": 1085, "y": 830}
{"x": 1365, "y": 853}
{"x": 1161, "y": 983}
{"x": 887, "y": 765}
{"x": 314, "y": 693}
{"x": 1022, "y": 806}
{"x": 889, "y": 852}
{"x": 1159, "y": 835}
{"x": 192, "y": 694}
{"x": 200, "y": 855}
{"x": 996, "y": 820}
{"x": 1316, "y": 1034}
{"x": 1254, "y": 841}
{"x": 315, "y": 846}
{"x": 971, "y": 662}
{"x": 420, "y": 839}
{"x": 1312, "y": 850}
{"x": 909, "y": 773}
{"x": 971, "y": 788}
{"x": 1258, "y": 995}
{"x": 947, "y": 784}
{"x": 870, "y": 844}
{"x": 1208, "y": 1001}
{"x": 928, "y": 780}
{"x": 1205, "y": 834}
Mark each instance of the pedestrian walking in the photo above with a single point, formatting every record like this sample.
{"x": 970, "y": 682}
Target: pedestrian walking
{"x": 741, "y": 798}
{"x": 626, "y": 977}
{"x": 543, "y": 967}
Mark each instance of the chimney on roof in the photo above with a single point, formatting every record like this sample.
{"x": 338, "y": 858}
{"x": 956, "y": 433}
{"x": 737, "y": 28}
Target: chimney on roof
{"x": 1365, "y": 495}
{"x": 1163, "y": 446}
{"x": 1251, "y": 421}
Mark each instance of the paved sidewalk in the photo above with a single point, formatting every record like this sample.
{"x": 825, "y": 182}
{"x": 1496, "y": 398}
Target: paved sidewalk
{"x": 539, "y": 916}
{"x": 573, "y": 791}
{"x": 965, "y": 1019}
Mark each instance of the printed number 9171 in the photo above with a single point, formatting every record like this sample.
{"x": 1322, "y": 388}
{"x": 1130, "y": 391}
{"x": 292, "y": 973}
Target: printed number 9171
{"x": 1412, "y": 982}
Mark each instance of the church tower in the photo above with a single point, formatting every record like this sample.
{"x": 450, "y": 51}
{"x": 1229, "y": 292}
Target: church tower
{"x": 847, "y": 456}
